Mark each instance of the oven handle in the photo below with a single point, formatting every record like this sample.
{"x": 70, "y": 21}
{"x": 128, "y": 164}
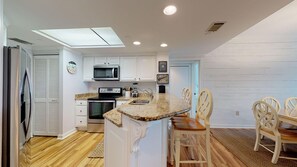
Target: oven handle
{"x": 101, "y": 101}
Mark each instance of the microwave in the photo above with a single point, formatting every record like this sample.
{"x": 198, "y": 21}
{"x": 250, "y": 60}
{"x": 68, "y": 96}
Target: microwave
{"x": 106, "y": 73}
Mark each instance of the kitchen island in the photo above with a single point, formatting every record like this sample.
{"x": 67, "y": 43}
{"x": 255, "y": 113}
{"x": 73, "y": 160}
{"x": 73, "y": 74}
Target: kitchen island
{"x": 136, "y": 134}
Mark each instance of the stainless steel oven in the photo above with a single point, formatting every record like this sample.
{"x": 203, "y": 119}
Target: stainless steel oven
{"x": 96, "y": 109}
{"x": 97, "y": 106}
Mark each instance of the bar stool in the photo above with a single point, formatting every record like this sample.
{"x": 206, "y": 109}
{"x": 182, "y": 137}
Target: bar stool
{"x": 189, "y": 126}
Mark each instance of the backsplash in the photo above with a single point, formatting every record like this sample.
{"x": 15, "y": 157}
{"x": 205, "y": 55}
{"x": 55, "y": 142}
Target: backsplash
{"x": 93, "y": 86}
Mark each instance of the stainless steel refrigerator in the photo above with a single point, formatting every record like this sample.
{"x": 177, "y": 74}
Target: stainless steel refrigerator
{"x": 17, "y": 108}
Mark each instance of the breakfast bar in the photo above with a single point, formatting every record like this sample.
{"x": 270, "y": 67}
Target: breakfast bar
{"x": 136, "y": 132}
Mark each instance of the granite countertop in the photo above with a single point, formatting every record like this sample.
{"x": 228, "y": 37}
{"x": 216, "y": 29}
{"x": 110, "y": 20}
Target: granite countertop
{"x": 85, "y": 96}
{"x": 114, "y": 116}
{"x": 161, "y": 106}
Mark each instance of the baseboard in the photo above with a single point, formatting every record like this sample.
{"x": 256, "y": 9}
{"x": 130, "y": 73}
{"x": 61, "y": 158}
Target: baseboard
{"x": 65, "y": 135}
{"x": 232, "y": 126}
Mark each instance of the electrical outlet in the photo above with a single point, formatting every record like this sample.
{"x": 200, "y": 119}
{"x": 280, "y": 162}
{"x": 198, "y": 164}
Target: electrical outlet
{"x": 237, "y": 113}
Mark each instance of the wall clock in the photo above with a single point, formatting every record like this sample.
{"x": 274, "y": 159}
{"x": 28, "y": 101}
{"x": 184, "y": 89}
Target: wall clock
{"x": 71, "y": 67}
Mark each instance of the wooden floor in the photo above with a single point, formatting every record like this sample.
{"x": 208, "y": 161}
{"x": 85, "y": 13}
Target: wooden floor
{"x": 74, "y": 150}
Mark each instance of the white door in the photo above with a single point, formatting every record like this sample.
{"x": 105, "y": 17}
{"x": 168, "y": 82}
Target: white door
{"x": 180, "y": 77}
{"x": 46, "y": 95}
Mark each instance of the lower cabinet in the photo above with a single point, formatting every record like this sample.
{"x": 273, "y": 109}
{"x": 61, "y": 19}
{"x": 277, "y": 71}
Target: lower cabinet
{"x": 81, "y": 109}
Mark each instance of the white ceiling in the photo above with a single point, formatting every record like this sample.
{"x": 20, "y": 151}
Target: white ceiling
{"x": 143, "y": 20}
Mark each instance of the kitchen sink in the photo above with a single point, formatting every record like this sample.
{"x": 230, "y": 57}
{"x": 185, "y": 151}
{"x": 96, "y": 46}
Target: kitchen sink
{"x": 139, "y": 102}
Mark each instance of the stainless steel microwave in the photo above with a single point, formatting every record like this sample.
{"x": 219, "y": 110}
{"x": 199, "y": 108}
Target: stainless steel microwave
{"x": 106, "y": 73}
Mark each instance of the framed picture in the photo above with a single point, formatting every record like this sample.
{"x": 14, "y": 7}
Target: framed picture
{"x": 162, "y": 78}
{"x": 162, "y": 66}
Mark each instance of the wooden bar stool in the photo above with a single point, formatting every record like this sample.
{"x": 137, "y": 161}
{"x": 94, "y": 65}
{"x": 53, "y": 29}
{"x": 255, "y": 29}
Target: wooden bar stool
{"x": 191, "y": 127}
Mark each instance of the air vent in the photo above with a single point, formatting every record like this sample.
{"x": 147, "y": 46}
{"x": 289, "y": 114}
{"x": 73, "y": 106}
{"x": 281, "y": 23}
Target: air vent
{"x": 215, "y": 26}
{"x": 21, "y": 41}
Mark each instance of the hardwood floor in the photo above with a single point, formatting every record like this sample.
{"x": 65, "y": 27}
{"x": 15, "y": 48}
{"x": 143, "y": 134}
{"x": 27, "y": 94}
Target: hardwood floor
{"x": 74, "y": 150}
{"x": 70, "y": 152}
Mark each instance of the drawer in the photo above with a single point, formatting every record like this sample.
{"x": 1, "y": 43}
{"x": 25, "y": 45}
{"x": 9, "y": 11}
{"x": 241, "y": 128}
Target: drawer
{"x": 81, "y": 102}
{"x": 81, "y": 110}
{"x": 81, "y": 121}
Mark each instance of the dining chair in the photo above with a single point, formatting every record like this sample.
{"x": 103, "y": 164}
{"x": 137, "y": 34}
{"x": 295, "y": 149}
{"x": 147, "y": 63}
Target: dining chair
{"x": 267, "y": 124}
{"x": 273, "y": 102}
{"x": 192, "y": 127}
{"x": 291, "y": 106}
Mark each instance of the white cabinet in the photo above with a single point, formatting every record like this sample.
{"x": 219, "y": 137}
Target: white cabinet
{"x": 46, "y": 95}
{"x": 146, "y": 68}
{"x": 140, "y": 69}
{"x": 128, "y": 69}
{"x": 107, "y": 60}
{"x": 81, "y": 114}
{"x": 90, "y": 61}
{"x": 88, "y": 68}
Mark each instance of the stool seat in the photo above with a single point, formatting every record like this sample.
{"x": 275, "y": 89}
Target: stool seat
{"x": 189, "y": 125}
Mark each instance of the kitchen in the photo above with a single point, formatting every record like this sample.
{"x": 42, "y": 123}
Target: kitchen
{"x": 227, "y": 76}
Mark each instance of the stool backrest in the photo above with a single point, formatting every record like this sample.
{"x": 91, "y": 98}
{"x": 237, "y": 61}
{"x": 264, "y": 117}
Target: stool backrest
{"x": 204, "y": 106}
{"x": 291, "y": 106}
{"x": 273, "y": 102}
{"x": 266, "y": 117}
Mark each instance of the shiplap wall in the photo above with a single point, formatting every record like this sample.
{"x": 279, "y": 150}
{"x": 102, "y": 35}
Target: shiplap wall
{"x": 240, "y": 73}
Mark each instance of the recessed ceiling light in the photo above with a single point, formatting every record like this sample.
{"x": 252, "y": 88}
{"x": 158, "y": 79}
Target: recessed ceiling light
{"x": 136, "y": 43}
{"x": 169, "y": 10}
{"x": 163, "y": 45}
{"x": 102, "y": 37}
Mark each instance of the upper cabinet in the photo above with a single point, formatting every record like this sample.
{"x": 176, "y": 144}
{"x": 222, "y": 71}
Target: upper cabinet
{"x": 140, "y": 68}
{"x": 128, "y": 67}
{"x": 132, "y": 69}
{"x": 89, "y": 63}
{"x": 107, "y": 60}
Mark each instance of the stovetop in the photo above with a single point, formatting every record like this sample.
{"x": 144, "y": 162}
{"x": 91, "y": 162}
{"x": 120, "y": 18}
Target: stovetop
{"x": 108, "y": 93}
{"x": 103, "y": 98}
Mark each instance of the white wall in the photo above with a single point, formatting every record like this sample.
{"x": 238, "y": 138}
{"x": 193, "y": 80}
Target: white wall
{"x": 2, "y": 36}
{"x": 238, "y": 73}
{"x": 71, "y": 84}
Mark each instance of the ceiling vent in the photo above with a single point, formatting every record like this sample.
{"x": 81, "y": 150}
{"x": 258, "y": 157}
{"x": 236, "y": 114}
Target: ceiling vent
{"x": 215, "y": 26}
{"x": 21, "y": 41}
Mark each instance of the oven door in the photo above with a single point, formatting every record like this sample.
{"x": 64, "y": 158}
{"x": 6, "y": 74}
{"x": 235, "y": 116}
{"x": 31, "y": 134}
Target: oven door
{"x": 96, "y": 109}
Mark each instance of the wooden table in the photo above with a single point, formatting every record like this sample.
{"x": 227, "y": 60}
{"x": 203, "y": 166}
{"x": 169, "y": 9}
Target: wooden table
{"x": 287, "y": 119}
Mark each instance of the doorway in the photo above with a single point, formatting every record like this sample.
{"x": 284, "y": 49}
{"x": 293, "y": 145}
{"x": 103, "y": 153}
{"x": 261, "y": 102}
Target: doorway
{"x": 185, "y": 75}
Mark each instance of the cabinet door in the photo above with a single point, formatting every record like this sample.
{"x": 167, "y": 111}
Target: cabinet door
{"x": 88, "y": 68}
{"x": 146, "y": 68}
{"x": 53, "y": 96}
{"x": 128, "y": 68}
{"x": 100, "y": 61}
{"x": 113, "y": 60}
{"x": 40, "y": 94}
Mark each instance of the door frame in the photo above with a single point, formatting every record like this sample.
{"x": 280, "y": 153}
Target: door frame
{"x": 190, "y": 64}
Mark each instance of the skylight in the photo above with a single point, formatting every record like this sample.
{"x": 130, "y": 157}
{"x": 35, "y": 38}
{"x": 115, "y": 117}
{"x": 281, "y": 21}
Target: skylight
{"x": 103, "y": 37}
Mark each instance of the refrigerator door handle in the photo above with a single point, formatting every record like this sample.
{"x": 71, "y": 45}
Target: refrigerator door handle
{"x": 26, "y": 126}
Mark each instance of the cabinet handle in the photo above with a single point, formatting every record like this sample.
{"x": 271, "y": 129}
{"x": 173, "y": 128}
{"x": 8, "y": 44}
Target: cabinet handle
{"x": 80, "y": 121}
{"x": 107, "y": 63}
{"x": 138, "y": 79}
{"x": 80, "y": 111}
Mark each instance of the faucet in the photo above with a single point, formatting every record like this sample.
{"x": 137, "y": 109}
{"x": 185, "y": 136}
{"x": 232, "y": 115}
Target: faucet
{"x": 149, "y": 92}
